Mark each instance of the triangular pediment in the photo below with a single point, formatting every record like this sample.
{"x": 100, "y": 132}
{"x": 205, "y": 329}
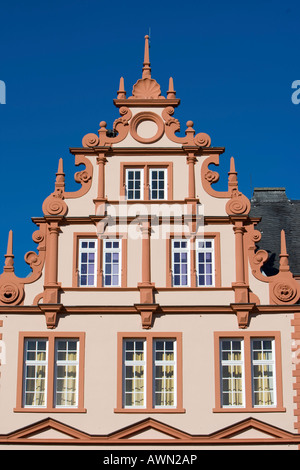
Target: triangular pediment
{"x": 251, "y": 429}
{"x": 48, "y": 429}
{"x": 149, "y": 429}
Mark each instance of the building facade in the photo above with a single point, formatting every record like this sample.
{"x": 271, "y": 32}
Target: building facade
{"x": 147, "y": 321}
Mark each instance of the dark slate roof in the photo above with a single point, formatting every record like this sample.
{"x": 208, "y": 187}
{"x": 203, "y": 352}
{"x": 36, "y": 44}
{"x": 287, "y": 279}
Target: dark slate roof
{"x": 277, "y": 212}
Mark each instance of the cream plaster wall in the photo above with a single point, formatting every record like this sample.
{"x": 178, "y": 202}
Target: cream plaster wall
{"x": 103, "y": 297}
{"x": 100, "y": 382}
{"x": 32, "y": 290}
{"x": 195, "y": 297}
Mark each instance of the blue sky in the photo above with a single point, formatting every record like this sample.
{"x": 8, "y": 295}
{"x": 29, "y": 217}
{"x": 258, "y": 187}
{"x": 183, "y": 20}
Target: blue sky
{"x": 233, "y": 65}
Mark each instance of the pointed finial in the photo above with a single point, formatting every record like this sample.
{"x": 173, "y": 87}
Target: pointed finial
{"x": 171, "y": 92}
{"x": 9, "y": 257}
{"x": 60, "y": 177}
{"x": 232, "y": 176}
{"x": 284, "y": 257}
{"x": 232, "y": 165}
{"x": 146, "y": 64}
{"x": 60, "y": 170}
{"x": 121, "y": 91}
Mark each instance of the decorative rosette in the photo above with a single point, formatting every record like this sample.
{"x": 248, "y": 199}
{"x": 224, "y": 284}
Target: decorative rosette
{"x": 284, "y": 292}
{"x": 10, "y": 293}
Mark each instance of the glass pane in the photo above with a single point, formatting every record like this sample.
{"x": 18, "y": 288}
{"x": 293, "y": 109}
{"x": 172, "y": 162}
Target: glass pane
{"x": 66, "y": 373}
{"x": 231, "y": 373}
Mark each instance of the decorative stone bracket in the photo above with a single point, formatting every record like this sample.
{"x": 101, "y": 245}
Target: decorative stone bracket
{"x": 242, "y": 311}
{"x": 50, "y": 311}
{"x": 146, "y": 311}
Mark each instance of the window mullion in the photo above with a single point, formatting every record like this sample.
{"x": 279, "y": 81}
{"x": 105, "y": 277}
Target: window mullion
{"x": 150, "y": 374}
{"x": 51, "y": 365}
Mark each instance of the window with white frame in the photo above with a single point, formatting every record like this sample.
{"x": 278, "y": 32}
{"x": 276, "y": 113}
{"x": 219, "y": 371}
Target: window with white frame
{"x": 134, "y": 373}
{"x": 149, "y": 361}
{"x": 35, "y": 372}
{"x": 164, "y": 373}
{"x": 66, "y": 373}
{"x": 263, "y": 372}
{"x": 134, "y": 186}
{"x": 232, "y": 372}
{"x": 205, "y": 262}
{"x": 39, "y": 365}
{"x": 248, "y": 372}
{"x": 87, "y": 265}
{"x": 158, "y": 183}
{"x": 112, "y": 263}
{"x": 181, "y": 263}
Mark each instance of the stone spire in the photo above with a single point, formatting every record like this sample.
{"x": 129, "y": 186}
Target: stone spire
{"x": 146, "y": 64}
{"x": 284, "y": 257}
{"x": 121, "y": 91}
{"x": 171, "y": 92}
{"x": 9, "y": 257}
{"x": 232, "y": 176}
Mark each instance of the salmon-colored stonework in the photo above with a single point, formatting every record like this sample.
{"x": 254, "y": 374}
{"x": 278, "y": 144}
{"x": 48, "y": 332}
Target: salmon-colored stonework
{"x": 147, "y": 319}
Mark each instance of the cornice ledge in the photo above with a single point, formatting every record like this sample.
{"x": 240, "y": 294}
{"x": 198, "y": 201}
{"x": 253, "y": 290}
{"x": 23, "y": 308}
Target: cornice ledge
{"x": 141, "y": 102}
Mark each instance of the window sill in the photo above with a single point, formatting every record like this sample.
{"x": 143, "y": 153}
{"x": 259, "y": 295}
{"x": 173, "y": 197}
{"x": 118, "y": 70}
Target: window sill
{"x": 149, "y": 410}
{"x": 276, "y": 409}
{"x": 49, "y": 410}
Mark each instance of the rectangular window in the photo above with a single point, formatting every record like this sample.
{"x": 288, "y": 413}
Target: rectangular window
{"x": 51, "y": 372}
{"x": 263, "y": 372}
{"x": 112, "y": 263}
{"x": 164, "y": 373}
{"x": 134, "y": 373}
{"x": 66, "y": 372}
{"x": 134, "y": 184}
{"x": 232, "y": 372}
{"x": 87, "y": 265}
{"x": 248, "y": 372}
{"x": 205, "y": 262}
{"x": 158, "y": 183}
{"x": 35, "y": 372}
{"x": 151, "y": 181}
{"x": 149, "y": 373}
{"x": 181, "y": 263}
{"x": 194, "y": 261}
